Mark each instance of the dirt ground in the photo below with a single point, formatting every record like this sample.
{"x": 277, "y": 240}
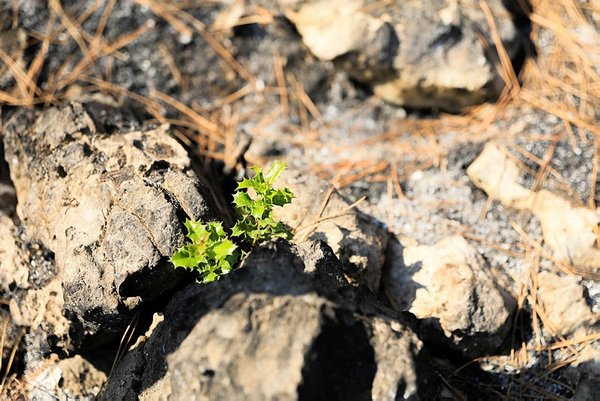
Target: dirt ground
{"x": 251, "y": 78}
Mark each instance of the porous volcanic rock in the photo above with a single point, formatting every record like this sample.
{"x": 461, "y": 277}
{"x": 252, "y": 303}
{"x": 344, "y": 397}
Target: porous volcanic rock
{"x": 14, "y": 272}
{"x": 564, "y": 302}
{"x": 452, "y": 291}
{"x": 35, "y": 318}
{"x": 285, "y": 326}
{"x": 109, "y": 206}
{"x": 357, "y": 239}
{"x": 68, "y": 379}
{"x": 414, "y": 53}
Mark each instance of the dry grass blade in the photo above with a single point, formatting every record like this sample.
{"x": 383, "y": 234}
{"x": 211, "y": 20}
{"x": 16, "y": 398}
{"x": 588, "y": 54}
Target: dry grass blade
{"x": 543, "y": 163}
{"x": 170, "y": 63}
{"x": 325, "y": 201}
{"x": 281, "y": 84}
{"x": 534, "y": 300}
{"x": 570, "y": 40}
{"x": 3, "y": 339}
{"x": 219, "y": 48}
{"x": 162, "y": 10}
{"x": 178, "y": 19}
{"x": 71, "y": 27}
{"x": 594, "y": 177}
{"x": 564, "y": 343}
{"x": 90, "y": 58}
{"x": 12, "y": 100}
{"x": 507, "y": 70}
{"x": 492, "y": 245}
{"x": 125, "y": 341}
{"x": 372, "y": 168}
{"x": 203, "y": 124}
{"x": 23, "y": 81}
{"x": 306, "y": 101}
{"x": 38, "y": 61}
{"x": 331, "y": 216}
{"x": 11, "y": 358}
{"x": 89, "y": 11}
{"x": 237, "y": 95}
{"x": 396, "y": 181}
{"x": 104, "y": 19}
{"x": 152, "y": 107}
{"x": 15, "y": 14}
{"x": 551, "y": 108}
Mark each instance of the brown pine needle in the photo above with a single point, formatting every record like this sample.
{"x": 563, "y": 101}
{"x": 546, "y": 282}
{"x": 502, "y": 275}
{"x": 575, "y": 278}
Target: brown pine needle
{"x": 170, "y": 63}
{"x": 152, "y": 107}
{"x": 73, "y": 29}
{"x": 23, "y": 81}
{"x": 507, "y": 67}
{"x": 11, "y": 358}
{"x": 38, "y": 61}
{"x": 208, "y": 127}
{"x": 319, "y": 220}
{"x": 281, "y": 83}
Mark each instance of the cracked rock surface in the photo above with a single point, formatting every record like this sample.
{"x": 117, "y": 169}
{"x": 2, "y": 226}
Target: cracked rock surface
{"x": 449, "y": 287}
{"x": 109, "y": 206}
{"x": 290, "y": 314}
{"x": 413, "y": 53}
{"x": 357, "y": 239}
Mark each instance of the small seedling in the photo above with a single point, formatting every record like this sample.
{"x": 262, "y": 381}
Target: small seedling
{"x": 254, "y": 201}
{"x": 211, "y": 252}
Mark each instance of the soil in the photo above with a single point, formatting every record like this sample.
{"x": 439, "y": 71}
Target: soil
{"x": 406, "y": 168}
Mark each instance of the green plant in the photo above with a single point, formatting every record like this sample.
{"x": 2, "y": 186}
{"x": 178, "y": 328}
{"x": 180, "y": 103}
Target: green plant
{"x": 211, "y": 252}
{"x": 254, "y": 201}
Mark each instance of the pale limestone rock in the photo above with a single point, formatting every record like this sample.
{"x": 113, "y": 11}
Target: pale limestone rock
{"x": 569, "y": 231}
{"x": 564, "y": 304}
{"x": 357, "y": 239}
{"x": 413, "y": 53}
{"x": 449, "y": 287}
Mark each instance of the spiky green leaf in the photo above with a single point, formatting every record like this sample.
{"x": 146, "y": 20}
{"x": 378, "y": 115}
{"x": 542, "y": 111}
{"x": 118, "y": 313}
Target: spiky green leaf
{"x": 274, "y": 172}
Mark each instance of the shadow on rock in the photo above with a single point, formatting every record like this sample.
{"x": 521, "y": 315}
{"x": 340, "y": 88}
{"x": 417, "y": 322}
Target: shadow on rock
{"x": 285, "y": 326}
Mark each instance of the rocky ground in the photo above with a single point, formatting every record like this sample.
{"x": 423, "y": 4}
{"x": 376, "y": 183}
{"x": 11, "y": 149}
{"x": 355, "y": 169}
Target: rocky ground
{"x": 444, "y": 159}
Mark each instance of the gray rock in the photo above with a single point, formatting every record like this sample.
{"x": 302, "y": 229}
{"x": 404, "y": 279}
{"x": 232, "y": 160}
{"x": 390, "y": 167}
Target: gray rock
{"x": 286, "y": 326}
{"x": 110, "y": 207}
{"x": 584, "y": 373}
{"x": 587, "y": 388}
{"x": 448, "y": 286}
{"x": 413, "y": 54}
{"x": 565, "y": 306}
{"x": 70, "y": 379}
{"x": 8, "y": 200}
{"x": 358, "y": 240}
{"x": 570, "y": 231}
{"x": 34, "y": 296}
{"x": 14, "y": 272}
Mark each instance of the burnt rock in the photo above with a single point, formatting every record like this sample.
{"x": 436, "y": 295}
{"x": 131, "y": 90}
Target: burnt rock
{"x": 454, "y": 293}
{"x": 413, "y": 55}
{"x": 100, "y": 204}
{"x": 285, "y": 326}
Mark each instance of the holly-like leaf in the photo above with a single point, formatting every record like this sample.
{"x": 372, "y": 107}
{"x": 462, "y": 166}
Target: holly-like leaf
{"x": 224, "y": 249}
{"x": 196, "y": 231}
{"x": 274, "y": 172}
{"x": 215, "y": 228}
{"x": 209, "y": 277}
{"x": 258, "y": 209}
{"x": 241, "y": 199}
{"x": 211, "y": 252}
{"x": 188, "y": 257}
{"x": 282, "y": 197}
